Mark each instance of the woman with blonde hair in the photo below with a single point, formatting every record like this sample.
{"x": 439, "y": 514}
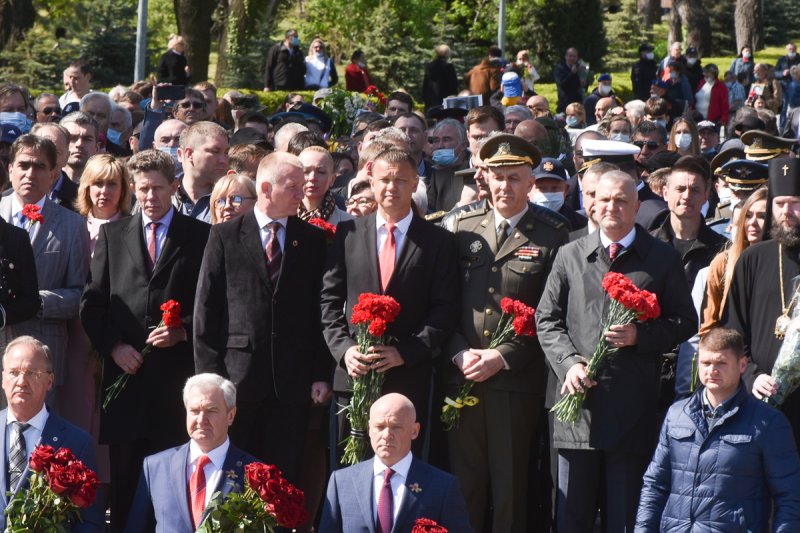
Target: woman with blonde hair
{"x": 233, "y": 196}
{"x": 747, "y": 230}
{"x": 320, "y": 68}
{"x": 104, "y": 193}
{"x": 683, "y": 138}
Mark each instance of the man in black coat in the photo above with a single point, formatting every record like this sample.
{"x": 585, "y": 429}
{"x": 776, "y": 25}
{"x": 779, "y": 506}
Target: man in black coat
{"x": 19, "y": 289}
{"x": 257, "y": 316}
{"x": 286, "y": 65}
{"x": 643, "y": 73}
{"x": 423, "y": 278}
{"x": 569, "y": 82}
{"x": 139, "y": 263}
{"x": 617, "y": 426}
{"x": 440, "y": 79}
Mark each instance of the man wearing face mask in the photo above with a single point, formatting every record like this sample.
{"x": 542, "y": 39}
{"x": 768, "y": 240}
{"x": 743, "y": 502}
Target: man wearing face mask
{"x": 709, "y": 139}
{"x": 694, "y": 68}
{"x": 120, "y": 128}
{"x": 100, "y": 107}
{"x": 14, "y": 102}
{"x": 167, "y": 139}
{"x": 356, "y": 76}
{"x": 449, "y": 143}
{"x": 782, "y": 73}
{"x": 643, "y": 72}
{"x": 603, "y": 90}
{"x": 550, "y": 191}
{"x": 286, "y": 65}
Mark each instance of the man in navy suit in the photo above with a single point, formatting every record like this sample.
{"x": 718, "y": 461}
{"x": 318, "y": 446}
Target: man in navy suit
{"x": 26, "y": 423}
{"x": 177, "y": 485}
{"x": 389, "y": 492}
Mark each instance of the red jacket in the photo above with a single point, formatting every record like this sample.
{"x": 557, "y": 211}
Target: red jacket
{"x": 356, "y": 78}
{"x": 718, "y": 106}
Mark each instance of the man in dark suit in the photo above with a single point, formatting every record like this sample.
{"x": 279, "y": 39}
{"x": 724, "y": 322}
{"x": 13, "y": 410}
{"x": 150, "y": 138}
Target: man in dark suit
{"x": 139, "y": 263}
{"x": 393, "y": 489}
{"x": 257, "y": 316}
{"x": 418, "y": 270}
{"x": 617, "y": 426}
{"x": 506, "y": 252}
{"x": 64, "y": 191}
{"x": 177, "y": 484}
{"x": 27, "y": 423}
{"x": 19, "y": 289}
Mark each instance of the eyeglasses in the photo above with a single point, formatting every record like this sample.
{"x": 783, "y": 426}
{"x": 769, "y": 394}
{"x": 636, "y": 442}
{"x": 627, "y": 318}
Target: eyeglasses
{"x": 652, "y": 145}
{"x": 191, "y": 104}
{"x": 27, "y": 374}
{"x": 51, "y": 110}
{"x": 235, "y": 200}
{"x": 361, "y": 202}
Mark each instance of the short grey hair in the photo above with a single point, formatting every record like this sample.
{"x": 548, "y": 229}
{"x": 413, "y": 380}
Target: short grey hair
{"x": 462, "y": 132}
{"x": 285, "y": 134}
{"x": 41, "y": 97}
{"x": 392, "y": 134}
{"x": 269, "y": 169}
{"x": 211, "y": 381}
{"x": 81, "y": 119}
{"x": 38, "y": 345}
{"x": 96, "y": 95}
{"x": 127, "y": 119}
{"x": 518, "y": 110}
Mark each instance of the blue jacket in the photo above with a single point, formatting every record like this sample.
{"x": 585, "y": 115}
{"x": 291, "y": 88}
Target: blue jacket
{"x": 723, "y": 480}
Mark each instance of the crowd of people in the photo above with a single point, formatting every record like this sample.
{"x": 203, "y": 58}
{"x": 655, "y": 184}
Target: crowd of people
{"x": 116, "y": 204}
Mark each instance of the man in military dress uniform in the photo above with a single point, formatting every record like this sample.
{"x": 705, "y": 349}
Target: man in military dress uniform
{"x": 505, "y": 251}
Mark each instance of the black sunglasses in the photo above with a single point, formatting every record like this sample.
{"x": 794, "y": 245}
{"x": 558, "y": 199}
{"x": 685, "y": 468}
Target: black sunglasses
{"x": 193, "y": 105}
{"x": 650, "y": 144}
{"x": 51, "y": 110}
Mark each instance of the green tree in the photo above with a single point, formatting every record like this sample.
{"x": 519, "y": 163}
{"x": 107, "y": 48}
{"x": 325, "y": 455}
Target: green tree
{"x": 625, "y": 31}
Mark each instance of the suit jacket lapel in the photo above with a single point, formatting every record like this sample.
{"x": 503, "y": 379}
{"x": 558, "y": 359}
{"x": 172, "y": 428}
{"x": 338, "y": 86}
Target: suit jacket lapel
{"x": 177, "y": 468}
{"x": 232, "y": 478}
{"x": 5, "y": 207}
{"x": 362, "y": 488}
{"x": 488, "y": 232}
{"x": 135, "y": 243}
{"x": 517, "y": 237}
{"x": 38, "y": 232}
{"x": 370, "y": 237}
{"x": 250, "y": 235}
{"x": 291, "y": 242}
{"x": 176, "y": 236}
{"x": 410, "y": 247}
{"x": 416, "y": 479}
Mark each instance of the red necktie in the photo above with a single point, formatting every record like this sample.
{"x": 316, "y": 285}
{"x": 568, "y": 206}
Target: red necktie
{"x": 387, "y": 256}
{"x": 386, "y": 503}
{"x": 274, "y": 255}
{"x": 613, "y": 250}
{"x": 151, "y": 243}
{"x": 197, "y": 490}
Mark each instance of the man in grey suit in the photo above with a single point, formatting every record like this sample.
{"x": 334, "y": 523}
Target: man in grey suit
{"x": 60, "y": 248}
{"x": 389, "y": 492}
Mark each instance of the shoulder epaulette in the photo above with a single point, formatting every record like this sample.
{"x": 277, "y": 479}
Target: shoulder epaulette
{"x": 433, "y": 217}
{"x": 547, "y": 216}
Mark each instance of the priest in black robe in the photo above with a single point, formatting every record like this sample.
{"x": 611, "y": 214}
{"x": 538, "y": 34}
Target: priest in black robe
{"x": 764, "y": 285}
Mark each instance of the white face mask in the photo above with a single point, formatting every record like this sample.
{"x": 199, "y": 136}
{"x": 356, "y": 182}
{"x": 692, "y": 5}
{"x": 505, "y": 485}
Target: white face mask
{"x": 710, "y": 80}
{"x": 691, "y": 61}
{"x": 746, "y": 55}
{"x": 605, "y": 90}
{"x": 792, "y": 55}
{"x": 683, "y": 141}
{"x": 550, "y": 200}
{"x": 650, "y": 55}
{"x": 621, "y": 137}
{"x": 725, "y": 195}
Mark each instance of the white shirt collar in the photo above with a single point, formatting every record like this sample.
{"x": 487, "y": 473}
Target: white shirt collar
{"x": 262, "y": 219}
{"x": 166, "y": 220}
{"x": 401, "y": 225}
{"x": 16, "y": 207}
{"x": 626, "y": 241}
{"x": 512, "y": 221}
{"x": 640, "y": 186}
{"x": 217, "y": 455}
{"x": 38, "y": 421}
{"x": 401, "y": 467}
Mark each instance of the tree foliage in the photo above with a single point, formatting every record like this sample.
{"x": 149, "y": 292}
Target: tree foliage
{"x": 625, "y": 31}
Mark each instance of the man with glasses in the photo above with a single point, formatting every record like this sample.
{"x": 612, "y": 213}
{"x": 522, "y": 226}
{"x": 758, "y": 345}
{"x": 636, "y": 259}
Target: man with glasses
{"x": 47, "y": 108}
{"x": 361, "y": 201}
{"x": 539, "y": 106}
{"x": 27, "y": 422}
{"x": 192, "y": 108}
{"x": 651, "y": 138}
{"x": 286, "y": 65}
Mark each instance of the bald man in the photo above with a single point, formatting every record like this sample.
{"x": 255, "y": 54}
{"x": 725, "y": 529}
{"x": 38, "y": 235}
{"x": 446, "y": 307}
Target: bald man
{"x": 531, "y": 130}
{"x": 403, "y": 488}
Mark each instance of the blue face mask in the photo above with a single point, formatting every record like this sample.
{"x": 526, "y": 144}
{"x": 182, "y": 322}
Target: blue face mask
{"x": 295, "y": 41}
{"x": 444, "y": 157}
{"x": 572, "y": 121}
{"x": 661, "y": 122}
{"x": 17, "y": 119}
{"x": 114, "y": 136}
{"x": 173, "y": 152}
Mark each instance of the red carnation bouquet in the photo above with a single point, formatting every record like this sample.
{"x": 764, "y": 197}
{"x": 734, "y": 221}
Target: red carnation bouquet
{"x": 426, "y": 525}
{"x": 170, "y": 317}
{"x": 268, "y": 501}
{"x": 373, "y": 91}
{"x": 517, "y": 320}
{"x": 327, "y": 227}
{"x": 59, "y": 486}
{"x": 33, "y": 213}
{"x": 629, "y": 303}
{"x": 372, "y": 314}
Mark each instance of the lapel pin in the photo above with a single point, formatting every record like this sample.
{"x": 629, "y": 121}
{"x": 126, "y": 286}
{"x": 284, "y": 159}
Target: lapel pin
{"x": 415, "y": 488}
{"x": 294, "y": 243}
{"x": 55, "y": 439}
{"x": 11, "y": 266}
{"x": 484, "y": 223}
{"x": 238, "y": 464}
{"x": 231, "y": 474}
{"x": 528, "y": 226}
{"x": 475, "y": 247}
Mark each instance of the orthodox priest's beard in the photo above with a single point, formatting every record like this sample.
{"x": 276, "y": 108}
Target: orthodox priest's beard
{"x": 789, "y": 236}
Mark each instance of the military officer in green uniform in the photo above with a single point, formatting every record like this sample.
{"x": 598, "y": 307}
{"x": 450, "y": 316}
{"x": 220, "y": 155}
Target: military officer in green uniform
{"x": 505, "y": 251}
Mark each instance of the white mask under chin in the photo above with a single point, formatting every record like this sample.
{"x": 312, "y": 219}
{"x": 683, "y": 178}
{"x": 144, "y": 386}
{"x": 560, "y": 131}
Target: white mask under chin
{"x": 551, "y": 200}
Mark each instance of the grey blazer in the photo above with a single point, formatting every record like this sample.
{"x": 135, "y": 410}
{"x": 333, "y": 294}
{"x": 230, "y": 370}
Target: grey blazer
{"x": 61, "y": 251}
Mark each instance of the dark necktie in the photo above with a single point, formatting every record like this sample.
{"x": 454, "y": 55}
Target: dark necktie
{"x": 17, "y": 454}
{"x": 614, "y": 249}
{"x": 151, "y": 243}
{"x": 274, "y": 255}
{"x": 502, "y": 233}
{"x": 197, "y": 490}
{"x": 386, "y": 503}
{"x": 387, "y": 256}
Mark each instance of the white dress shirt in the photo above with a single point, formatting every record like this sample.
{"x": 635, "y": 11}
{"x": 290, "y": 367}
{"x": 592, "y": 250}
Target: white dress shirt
{"x": 398, "y": 482}
{"x": 262, "y": 220}
{"x": 161, "y": 231}
{"x": 626, "y": 241}
{"x": 212, "y": 470}
{"x": 512, "y": 222}
{"x": 400, "y": 232}
{"x": 32, "y": 435}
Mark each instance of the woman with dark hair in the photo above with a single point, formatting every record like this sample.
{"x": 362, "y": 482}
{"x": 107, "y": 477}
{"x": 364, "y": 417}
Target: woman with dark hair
{"x": 744, "y": 63}
{"x": 711, "y": 96}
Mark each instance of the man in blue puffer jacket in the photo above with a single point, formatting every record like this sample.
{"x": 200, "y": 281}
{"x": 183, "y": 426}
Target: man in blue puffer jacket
{"x": 724, "y": 458}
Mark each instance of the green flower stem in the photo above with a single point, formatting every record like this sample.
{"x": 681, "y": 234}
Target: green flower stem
{"x": 115, "y": 388}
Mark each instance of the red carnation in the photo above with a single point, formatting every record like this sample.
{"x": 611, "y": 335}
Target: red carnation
{"x": 377, "y": 327}
{"x": 327, "y": 227}
{"x": 507, "y": 305}
{"x": 33, "y": 213}
{"x": 171, "y": 316}
{"x": 41, "y": 458}
{"x": 426, "y": 525}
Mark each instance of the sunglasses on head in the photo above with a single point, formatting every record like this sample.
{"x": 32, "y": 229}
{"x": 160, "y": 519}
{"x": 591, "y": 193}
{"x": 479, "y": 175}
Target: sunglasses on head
{"x": 652, "y": 145}
{"x": 192, "y": 105}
